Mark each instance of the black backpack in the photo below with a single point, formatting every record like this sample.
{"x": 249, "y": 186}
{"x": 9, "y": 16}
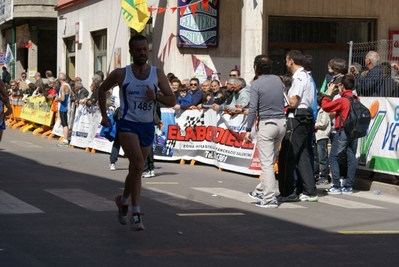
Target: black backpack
{"x": 7, "y": 77}
{"x": 358, "y": 120}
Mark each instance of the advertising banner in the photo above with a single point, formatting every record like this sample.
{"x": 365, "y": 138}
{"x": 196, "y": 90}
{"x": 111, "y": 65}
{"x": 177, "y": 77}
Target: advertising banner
{"x": 206, "y": 136}
{"x": 378, "y": 150}
{"x": 198, "y": 24}
{"x": 37, "y": 110}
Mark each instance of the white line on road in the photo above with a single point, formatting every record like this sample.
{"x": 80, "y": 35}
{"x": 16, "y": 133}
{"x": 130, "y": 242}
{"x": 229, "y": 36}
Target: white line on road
{"x": 12, "y": 205}
{"x": 345, "y": 203}
{"x": 174, "y": 200}
{"x": 24, "y": 144}
{"x": 210, "y": 214}
{"x": 382, "y": 198}
{"x": 240, "y": 196}
{"x": 84, "y": 199}
{"x": 161, "y": 183}
{"x": 372, "y": 232}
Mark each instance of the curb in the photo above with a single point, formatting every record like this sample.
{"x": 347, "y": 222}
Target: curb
{"x": 385, "y": 188}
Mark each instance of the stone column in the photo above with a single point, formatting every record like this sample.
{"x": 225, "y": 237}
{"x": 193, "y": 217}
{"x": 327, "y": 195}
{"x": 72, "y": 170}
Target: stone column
{"x": 32, "y": 51}
{"x": 251, "y": 36}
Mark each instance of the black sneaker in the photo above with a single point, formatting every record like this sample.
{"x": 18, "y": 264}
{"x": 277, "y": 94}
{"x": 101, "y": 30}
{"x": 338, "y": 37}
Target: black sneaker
{"x": 122, "y": 210}
{"x": 136, "y": 222}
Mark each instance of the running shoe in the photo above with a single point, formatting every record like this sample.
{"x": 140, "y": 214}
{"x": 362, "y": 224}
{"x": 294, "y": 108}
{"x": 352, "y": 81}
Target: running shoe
{"x": 136, "y": 222}
{"x": 303, "y": 197}
{"x": 63, "y": 144}
{"x": 267, "y": 204}
{"x": 146, "y": 174}
{"x": 112, "y": 167}
{"x": 347, "y": 190}
{"x": 122, "y": 210}
{"x": 334, "y": 190}
{"x": 291, "y": 198}
{"x": 152, "y": 173}
{"x": 255, "y": 195}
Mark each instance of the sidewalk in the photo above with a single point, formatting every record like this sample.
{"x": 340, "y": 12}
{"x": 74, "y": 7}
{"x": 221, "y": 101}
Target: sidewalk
{"x": 388, "y": 184}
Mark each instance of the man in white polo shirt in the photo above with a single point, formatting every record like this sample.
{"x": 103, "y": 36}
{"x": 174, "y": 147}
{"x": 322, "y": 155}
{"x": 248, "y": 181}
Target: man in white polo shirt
{"x": 294, "y": 148}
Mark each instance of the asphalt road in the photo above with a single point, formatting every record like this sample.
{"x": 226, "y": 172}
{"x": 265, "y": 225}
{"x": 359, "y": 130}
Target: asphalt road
{"x": 57, "y": 209}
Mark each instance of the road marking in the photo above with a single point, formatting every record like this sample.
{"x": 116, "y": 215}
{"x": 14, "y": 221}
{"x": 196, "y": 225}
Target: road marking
{"x": 210, "y": 214}
{"x": 161, "y": 183}
{"x": 12, "y": 205}
{"x": 24, "y": 144}
{"x": 84, "y": 199}
{"x": 346, "y": 203}
{"x": 175, "y": 200}
{"x": 207, "y": 251}
{"x": 382, "y": 198}
{"x": 240, "y": 196}
{"x": 383, "y": 232}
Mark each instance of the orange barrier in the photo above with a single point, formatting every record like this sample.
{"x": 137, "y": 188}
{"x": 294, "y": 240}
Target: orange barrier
{"x": 14, "y": 118}
{"x": 49, "y": 132}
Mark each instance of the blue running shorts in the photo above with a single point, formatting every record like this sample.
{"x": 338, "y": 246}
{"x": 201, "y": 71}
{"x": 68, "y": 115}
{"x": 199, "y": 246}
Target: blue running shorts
{"x": 145, "y": 131}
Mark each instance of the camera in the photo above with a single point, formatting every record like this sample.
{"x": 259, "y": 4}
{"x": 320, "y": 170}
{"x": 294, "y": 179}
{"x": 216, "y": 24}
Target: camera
{"x": 353, "y": 69}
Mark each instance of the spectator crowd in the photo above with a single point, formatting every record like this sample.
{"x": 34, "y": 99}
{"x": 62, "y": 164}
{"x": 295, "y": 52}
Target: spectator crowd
{"x": 311, "y": 114}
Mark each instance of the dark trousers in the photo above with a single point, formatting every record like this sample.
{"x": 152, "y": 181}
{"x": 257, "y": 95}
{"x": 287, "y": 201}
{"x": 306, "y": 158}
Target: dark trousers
{"x": 295, "y": 151}
{"x": 149, "y": 163}
{"x": 298, "y": 182}
{"x": 114, "y": 151}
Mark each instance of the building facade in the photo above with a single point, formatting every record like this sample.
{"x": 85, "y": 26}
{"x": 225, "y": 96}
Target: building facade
{"x": 29, "y": 28}
{"x": 89, "y": 41}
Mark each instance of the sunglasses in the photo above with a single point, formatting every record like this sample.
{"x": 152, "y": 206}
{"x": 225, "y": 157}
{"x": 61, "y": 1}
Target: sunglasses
{"x": 194, "y": 84}
{"x": 233, "y": 75}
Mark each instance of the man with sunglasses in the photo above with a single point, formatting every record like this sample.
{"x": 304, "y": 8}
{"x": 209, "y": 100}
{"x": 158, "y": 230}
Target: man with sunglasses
{"x": 24, "y": 78}
{"x": 196, "y": 95}
{"x": 234, "y": 74}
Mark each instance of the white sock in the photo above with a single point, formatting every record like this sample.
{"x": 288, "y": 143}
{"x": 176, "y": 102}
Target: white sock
{"x": 125, "y": 201}
{"x": 136, "y": 209}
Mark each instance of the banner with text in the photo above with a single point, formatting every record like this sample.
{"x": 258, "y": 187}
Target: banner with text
{"x": 378, "y": 150}
{"x": 206, "y": 136}
{"x": 37, "y": 110}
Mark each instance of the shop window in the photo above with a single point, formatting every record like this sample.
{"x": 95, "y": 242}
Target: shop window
{"x": 70, "y": 56}
{"x": 100, "y": 50}
{"x": 320, "y": 30}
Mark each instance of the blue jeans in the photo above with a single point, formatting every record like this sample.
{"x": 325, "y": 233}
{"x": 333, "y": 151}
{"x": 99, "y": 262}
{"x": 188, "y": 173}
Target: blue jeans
{"x": 323, "y": 157}
{"x": 339, "y": 143}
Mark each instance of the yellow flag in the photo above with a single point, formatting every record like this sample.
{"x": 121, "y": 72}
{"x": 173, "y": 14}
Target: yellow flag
{"x": 135, "y": 13}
